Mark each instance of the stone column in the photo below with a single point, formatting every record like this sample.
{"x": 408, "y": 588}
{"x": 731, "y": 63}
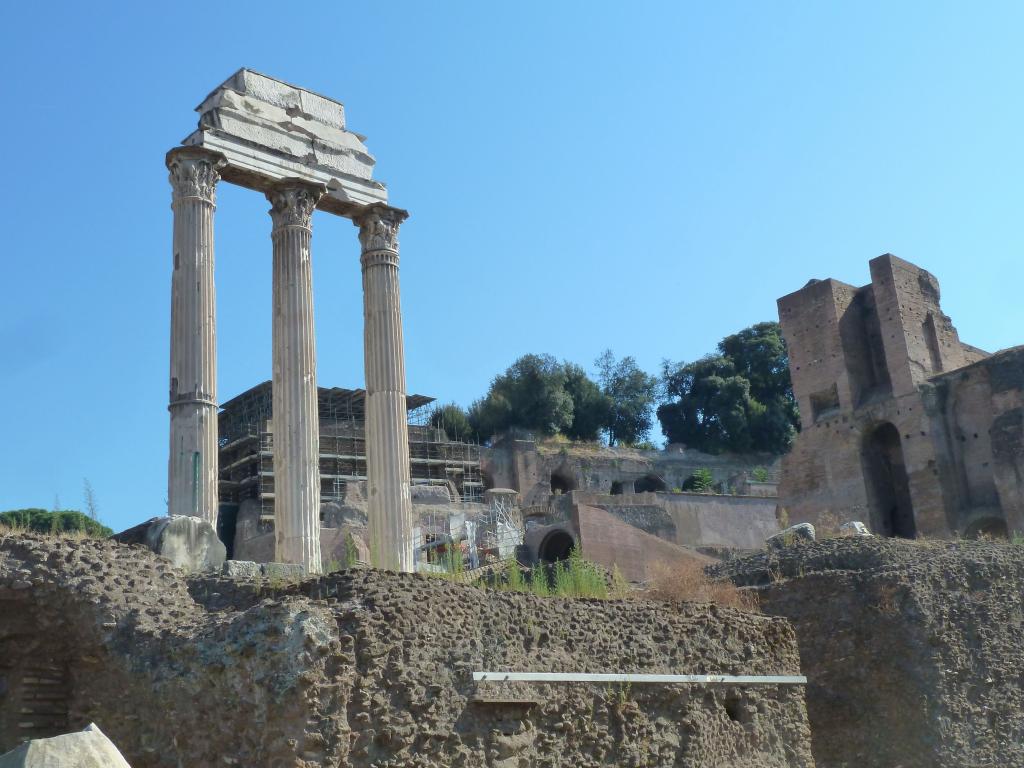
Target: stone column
{"x": 295, "y": 420}
{"x": 387, "y": 424}
{"x": 192, "y": 463}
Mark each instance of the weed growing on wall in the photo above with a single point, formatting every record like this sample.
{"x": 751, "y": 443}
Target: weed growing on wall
{"x": 684, "y": 581}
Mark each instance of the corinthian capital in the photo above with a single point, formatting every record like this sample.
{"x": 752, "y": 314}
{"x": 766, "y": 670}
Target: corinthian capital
{"x": 194, "y": 172}
{"x": 378, "y": 227}
{"x": 292, "y": 202}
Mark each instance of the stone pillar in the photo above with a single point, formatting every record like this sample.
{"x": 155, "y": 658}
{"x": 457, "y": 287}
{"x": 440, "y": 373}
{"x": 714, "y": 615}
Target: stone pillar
{"x": 387, "y": 425}
{"x": 192, "y": 463}
{"x": 295, "y": 420}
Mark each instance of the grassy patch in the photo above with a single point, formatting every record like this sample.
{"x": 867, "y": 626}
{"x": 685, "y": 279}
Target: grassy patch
{"x": 684, "y": 581}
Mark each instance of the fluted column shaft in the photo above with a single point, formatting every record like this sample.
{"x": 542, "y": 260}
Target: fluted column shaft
{"x": 295, "y": 418}
{"x": 192, "y": 461}
{"x": 387, "y": 425}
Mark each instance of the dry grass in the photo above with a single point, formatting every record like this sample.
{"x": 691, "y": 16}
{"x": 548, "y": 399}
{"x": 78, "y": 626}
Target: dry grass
{"x": 17, "y": 530}
{"x": 684, "y": 581}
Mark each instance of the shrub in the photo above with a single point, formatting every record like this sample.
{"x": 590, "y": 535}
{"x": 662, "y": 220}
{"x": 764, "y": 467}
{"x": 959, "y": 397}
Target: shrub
{"x": 759, "y": 475}
{"x": 684, "y": 581}
{"x": 57, "y": 522}
{"x": 575, "y": 577}
{"x": 701, "y": 481}
{"x": 578, "y": 577}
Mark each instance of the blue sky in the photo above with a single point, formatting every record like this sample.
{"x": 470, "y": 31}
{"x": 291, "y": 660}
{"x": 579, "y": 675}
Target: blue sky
{"x": 646, "y": 177}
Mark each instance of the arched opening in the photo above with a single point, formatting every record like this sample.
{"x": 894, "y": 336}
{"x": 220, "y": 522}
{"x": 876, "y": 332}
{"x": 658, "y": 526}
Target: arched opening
{"x": 885, "y": 475}
{"x": 649, "y": 484}
{"x": 556, "y": 546}
{"x": 562, "y": 482}
{"x": 619, "y": 487}
{"x": 987, "y": 528}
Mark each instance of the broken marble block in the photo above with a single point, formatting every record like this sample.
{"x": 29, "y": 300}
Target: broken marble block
{"x": 190, "y": 543}
{"x": 88, "y": 748}
{"x": 795, "y": 533}
{"x": 854, "y": 528}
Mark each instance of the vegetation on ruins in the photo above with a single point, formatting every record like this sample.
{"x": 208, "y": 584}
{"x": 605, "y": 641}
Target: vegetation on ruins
{"x": 541, "y": 395}
{"x": 592, "y": 408}
{"x": 453, "y": 420}
{"x": 530, "y": 395}
{"x": 701, "y": 481}
{"x": 573, "y": 577}
{"x": 684, "y": 581}
{"x": 56, "y": 522}
{"x": 738, "y": 400}
{"x": 631, "y": 393}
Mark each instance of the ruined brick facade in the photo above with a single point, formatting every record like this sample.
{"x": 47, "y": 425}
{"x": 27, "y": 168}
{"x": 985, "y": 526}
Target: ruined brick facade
{"x": 904, "y": 426}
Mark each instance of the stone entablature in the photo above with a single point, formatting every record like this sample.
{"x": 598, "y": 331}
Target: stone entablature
{"x": 268, "y": 130}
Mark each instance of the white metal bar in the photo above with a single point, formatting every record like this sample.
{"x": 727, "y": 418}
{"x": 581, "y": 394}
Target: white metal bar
{"x": 588, "y": 677}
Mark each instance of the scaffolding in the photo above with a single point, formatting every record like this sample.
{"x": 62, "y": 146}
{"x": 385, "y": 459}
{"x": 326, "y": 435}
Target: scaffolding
{"x": 246, "y": 442}
{"x": 469, "y": 536}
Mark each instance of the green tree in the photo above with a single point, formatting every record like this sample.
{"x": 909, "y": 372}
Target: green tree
{"x": 591, "y": 408}
{"x": 453, "y": 420}
{"x": 631, "y": 393}
{"x": 738, "y": 400}
{"x": 60, "y": 521}
{"x": 530, "y": 395}
{"x": 701, "y": 481}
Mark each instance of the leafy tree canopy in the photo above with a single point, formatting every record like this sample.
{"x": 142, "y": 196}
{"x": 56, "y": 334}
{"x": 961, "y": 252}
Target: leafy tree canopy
{"x": 530, "y": 395}
{"x": 453, "y": 420}
{"x": 45, "y": 521}
{"x": 631, "y": 393}
{"x": 592, "y": 408}
{"x": 539, "y": 394}
{"x": 738, "y": 400}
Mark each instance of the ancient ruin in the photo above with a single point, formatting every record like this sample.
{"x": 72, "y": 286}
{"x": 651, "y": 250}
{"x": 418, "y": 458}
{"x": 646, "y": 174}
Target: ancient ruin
{"x": 273, "y": 618}
{"x": 911, "y": 649}
{"x": 626, "y": 508}
{"x": 904, "y": 426}
{"x": 292, "y": 145}
{"x": 368, "y": 668}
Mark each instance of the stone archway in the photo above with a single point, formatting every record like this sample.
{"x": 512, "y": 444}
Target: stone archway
{"x": 556, "y": 546}
{"x": 886, "y": 482}
{"x": 562, "y": 482}
{"x": 989, "y": 527}
{"x": 649, "y": 484}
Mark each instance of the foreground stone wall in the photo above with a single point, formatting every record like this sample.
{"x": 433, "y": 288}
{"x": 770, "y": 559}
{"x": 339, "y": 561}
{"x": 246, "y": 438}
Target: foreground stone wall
{"x": 912, "y": 650}
{"x": 364, "y": 668}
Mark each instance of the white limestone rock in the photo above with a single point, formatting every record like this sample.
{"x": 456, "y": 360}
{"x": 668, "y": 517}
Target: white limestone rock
{"x": 854, "y": 528}
{"x": 793, "y": 534}
{"x": 88, "y": 748}
{"x": 188, "y": 542}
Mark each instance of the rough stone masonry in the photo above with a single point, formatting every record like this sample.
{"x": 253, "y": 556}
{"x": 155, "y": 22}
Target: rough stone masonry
{"x": 912, "y": 650}
{"x": 370, "y": 668}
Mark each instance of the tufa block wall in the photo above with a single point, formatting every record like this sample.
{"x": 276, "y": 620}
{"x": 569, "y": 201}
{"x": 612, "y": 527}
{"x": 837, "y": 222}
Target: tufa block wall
{"x": 912, "y": 650}
{"x": 362, "y": 668}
